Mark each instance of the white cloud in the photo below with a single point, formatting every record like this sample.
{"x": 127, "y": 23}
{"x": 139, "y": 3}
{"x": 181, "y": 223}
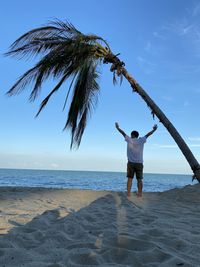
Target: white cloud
{"x": 196, "y": 139}
{"x": 185, "y": 27}
{"x": 196, "y": 10}
{"x": 159, "y": 36}
{"x": 174, "y": 146}
{"x": 147, "y": 66}
{"x": 185, "y": 30}
{"x": 165, "y": 146}
{"x": 180, "y": 27}
{"x": 55, "y": 165}
{"x": 194, "y": 145}
{"x": 168, "y": 146}
{"x": 167, "y": 98}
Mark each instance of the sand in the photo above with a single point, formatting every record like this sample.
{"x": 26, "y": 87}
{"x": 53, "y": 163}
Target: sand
{"x": 59, "y": 227}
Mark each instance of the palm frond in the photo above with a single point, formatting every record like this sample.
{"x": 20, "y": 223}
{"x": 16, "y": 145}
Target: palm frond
{"x": 69, "y": 90}
{"x": 45, "y": 101}
{"x": 62, "y": 61}
{"x": 83, "y": 102}
{"x": 66, "y": 53}
{"x": 43, "y": 39}
{"x": 23, "y": 81}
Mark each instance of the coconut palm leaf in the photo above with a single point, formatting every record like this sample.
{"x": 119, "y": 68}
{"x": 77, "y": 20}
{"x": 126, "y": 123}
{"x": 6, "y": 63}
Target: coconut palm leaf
{"x": 84, "y": 100}
{"x": 66, "y": 53}
{"x": 71, "y": 84}
{"x": 45, "y": 101}
{"x": 43, "y": 39}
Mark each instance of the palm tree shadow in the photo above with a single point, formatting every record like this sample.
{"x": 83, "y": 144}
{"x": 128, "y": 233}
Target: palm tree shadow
{"x": 50, "y": 238}
{"x": 98, "y": 234}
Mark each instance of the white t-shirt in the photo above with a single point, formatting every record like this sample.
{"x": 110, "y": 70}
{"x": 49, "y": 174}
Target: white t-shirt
{"x": 135, "y": 148}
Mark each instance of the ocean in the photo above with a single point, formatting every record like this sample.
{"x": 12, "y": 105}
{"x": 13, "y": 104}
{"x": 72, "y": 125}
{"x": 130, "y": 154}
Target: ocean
{"x": 94, "y": 180}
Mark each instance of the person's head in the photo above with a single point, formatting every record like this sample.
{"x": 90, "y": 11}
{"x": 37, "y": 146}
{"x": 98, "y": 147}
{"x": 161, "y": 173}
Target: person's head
{"x": 134, "y": 134}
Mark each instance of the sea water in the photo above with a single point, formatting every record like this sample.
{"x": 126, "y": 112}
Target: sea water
{"x": 94, "y": 180}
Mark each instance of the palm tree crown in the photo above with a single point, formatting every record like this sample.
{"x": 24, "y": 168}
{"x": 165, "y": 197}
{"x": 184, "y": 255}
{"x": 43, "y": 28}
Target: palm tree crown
{"x": 66, "y": 53}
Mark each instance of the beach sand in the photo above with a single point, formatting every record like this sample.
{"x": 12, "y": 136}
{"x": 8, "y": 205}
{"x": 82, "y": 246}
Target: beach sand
{"x": 60, "y": 227}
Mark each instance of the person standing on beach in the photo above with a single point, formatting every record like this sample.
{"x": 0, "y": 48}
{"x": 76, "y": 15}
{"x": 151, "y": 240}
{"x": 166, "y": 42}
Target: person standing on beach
{"x": 135, "y": 145}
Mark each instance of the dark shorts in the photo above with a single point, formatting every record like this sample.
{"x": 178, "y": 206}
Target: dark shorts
{"x": 135, "y": 169}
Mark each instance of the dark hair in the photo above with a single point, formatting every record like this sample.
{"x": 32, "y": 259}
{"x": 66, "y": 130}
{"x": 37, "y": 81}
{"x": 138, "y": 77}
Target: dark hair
{"x": 134, "y": 134}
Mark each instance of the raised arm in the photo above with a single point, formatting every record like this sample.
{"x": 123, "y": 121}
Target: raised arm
{"x": 120, "y": 130}
{"x": 152, "y": 131}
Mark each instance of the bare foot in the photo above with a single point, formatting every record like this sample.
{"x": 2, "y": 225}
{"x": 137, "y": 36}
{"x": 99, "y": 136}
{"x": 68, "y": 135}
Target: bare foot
{"x": 139, "y": 194}
{"x": 128, "y": 194}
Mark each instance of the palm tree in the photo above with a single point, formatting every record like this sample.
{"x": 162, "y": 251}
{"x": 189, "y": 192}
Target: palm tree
{"x": 69, "y": 54}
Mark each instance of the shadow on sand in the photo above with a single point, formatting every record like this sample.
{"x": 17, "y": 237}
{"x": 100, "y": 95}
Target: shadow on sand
{"x": 111, "y": 231}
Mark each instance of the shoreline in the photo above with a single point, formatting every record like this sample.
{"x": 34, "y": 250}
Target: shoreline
{"x": 70, "y": 227}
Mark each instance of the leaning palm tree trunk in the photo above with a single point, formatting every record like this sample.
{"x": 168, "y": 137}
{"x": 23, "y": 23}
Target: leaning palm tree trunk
{"x": 118, "y": 66}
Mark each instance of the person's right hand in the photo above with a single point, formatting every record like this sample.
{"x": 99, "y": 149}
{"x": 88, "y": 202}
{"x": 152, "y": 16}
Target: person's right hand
{"x": 116, "y": 125}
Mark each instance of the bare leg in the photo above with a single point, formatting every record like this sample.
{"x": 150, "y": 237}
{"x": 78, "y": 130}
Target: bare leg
{"x": 139, "y": 186}
{"x": 129, "y": 185}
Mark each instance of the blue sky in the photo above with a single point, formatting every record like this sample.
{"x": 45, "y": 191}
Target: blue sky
{"x": 159, "y": 41}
